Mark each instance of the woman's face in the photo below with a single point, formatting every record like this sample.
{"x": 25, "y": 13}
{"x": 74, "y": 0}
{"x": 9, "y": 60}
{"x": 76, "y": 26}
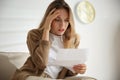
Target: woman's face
{"x": 60, "y": 23}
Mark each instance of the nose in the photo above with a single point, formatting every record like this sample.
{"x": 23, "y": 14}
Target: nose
{"x": 62, "y": 24}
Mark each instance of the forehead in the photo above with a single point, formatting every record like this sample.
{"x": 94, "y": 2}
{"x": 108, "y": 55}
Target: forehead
{"x": 63, "y": 13}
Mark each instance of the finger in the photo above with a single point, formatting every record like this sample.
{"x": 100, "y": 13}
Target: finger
{"x": 83, "y": 68}
{"x": 54, "y": 15}
{"x": 80, "y": 68}
{"x": 51, "y": 12}
{"x": 80, "y": 65}
{"x": 82, "y": 71}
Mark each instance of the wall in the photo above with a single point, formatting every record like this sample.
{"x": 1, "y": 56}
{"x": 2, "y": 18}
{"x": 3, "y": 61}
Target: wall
{"x": 101, "y": 37}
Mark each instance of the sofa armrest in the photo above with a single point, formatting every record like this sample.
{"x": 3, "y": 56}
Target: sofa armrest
{"x": 7, "y": 69}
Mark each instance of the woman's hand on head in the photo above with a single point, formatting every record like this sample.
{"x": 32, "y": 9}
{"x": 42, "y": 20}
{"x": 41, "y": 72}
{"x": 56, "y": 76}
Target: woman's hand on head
{"x": 80, "y": 68}
{"x": 51, "y": 16}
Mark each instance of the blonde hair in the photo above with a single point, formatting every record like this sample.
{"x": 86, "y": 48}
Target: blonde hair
{"x": 69, "y": 37}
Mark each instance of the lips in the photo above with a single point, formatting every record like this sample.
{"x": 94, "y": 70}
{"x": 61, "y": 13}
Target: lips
{"x": 61, "y": 30}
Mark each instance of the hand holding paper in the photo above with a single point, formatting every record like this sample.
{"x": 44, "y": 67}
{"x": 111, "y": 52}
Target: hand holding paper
{"x": 70, "y": 57}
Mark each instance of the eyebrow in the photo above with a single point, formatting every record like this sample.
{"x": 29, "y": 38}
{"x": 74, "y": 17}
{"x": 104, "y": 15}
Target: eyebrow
{"x": 65, "y": 18}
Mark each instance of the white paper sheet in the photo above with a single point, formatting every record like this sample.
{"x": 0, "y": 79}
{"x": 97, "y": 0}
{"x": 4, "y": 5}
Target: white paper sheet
{"x": 70, "y": 57}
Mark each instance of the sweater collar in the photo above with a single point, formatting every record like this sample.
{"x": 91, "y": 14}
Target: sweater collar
{"x": 55, "y": 37}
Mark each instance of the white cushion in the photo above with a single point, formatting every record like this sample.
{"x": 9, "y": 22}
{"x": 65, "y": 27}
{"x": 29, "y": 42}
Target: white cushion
{"x": 16, "y": 58}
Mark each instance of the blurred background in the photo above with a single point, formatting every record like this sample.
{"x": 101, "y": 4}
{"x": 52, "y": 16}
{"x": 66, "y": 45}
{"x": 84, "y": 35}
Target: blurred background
{"x": 101, "y": 37}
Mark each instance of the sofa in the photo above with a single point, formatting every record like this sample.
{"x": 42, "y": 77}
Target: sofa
{"x": 10, "y": 61}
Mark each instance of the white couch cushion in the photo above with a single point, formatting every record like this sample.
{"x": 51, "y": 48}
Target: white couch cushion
{"x": 9, "y": 62}
{"x": 16, "y": 58}
{"x": 7, "y": 69}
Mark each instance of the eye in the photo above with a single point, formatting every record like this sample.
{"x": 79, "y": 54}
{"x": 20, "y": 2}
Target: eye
{"x": 57, "y": 19}
{"x": 66, "y": 20}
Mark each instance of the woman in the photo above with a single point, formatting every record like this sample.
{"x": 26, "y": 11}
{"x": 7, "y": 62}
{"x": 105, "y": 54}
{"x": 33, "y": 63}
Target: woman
{"x": 55, "y": 31}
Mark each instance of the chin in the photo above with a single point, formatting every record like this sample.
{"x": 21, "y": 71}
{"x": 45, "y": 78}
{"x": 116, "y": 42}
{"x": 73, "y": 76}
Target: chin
{"x": 60, "y": 34}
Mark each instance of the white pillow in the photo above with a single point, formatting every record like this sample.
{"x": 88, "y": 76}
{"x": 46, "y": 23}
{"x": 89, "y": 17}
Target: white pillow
{"x": 16, "y": 58}
{"x": 7, "y": 69}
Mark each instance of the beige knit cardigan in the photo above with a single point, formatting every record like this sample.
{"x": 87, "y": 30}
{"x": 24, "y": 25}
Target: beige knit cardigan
{"x": 37, "y": 61}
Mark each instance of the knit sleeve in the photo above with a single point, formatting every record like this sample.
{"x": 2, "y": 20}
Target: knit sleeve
{"x": 38, "y": 48}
